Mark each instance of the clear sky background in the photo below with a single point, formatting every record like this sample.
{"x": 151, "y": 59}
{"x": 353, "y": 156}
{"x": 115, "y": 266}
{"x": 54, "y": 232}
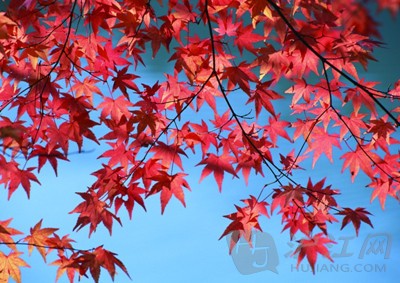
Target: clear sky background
{"x": 182, "y": 245}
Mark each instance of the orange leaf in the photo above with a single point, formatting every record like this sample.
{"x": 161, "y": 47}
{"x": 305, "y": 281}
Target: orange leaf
{"x": 39, "y": 238}
{"x": 6, "y": 234}
{"x": 10, "y": 266}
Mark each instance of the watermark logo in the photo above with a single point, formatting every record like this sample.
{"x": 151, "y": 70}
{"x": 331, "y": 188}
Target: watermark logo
{"x": 261, "y": 255}
{"x": 376, "y": 244}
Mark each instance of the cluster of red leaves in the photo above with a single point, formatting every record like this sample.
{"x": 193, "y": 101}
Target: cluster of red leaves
{"x": 58, "y": 60}
{"x": 69, "y": 260}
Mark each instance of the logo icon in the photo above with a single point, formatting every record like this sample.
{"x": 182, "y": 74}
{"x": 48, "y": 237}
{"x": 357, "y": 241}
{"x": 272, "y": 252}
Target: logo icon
{"x": 261, "y": 255}
{"x": 380, "y": 243}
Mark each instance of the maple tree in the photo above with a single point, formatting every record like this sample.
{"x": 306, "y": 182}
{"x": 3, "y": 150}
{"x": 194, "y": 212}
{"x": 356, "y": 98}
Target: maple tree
{"x": 68, "y": 68}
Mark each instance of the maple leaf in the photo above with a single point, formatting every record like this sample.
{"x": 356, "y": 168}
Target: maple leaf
{"x": 67, "y": 265}
{"x": 359, "y": 97}
{"x": 246, "y": 38}
{"x": 39, "y": 238}
{"x": 226, "y": 26}
{"x": 319, "y": 217}
{"x": 45, "y": 154}
{"x": 112, "y": 54}
{"x": 247, "y": 162}
{"x": 245, "y": 220}
{"x": 382, "y": 188}
{"x": 118, "y": 154}
{"x": 276, "y": 128}
{"x": 301, "y": 90}
{"x": 241, "y": 226}
{"x": 108, "y": 261}
{"x": 381, "y": 129}
{"x": 256, "y": 206}
{"x": 13, "y": 177}
{"x": 262, "y": 97}
{"x": 115, "y": 108}
{"x": 302, "y": 127}
{"x": 354, "y": 124}
{"x": 10, "y": 266}
{"x": 297, "y": 219}
{"x": 217, "y": 165}
{"x": 86, "y": 88}
{"x": 311, "y": 247}
{"x": 322, "y": 142}
{"x": 289, "y": 162}
{"x": 122, "y": 80}
{"x": 240, "y": 75}
{"x": 96, "y": 259}
{"x": 320, "y": 195}
{"x": 144, "y": 120}
{"x": 169, "y": 185}
{"x": 206, "y": 136}
{"x": 282, "y": 197}
{"x": 355, "y": 216}
{"x": 93, "y": 211}
{"x": 357, "y": 159}
{"x": 133, "y": 194}
{"x": 6, "y": 234}
{"x": 168, "y": 154}
{"x": 62, "y": 244}
{"x": 11, "y": 132}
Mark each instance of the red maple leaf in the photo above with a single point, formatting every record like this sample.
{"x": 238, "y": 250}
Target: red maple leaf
{"x": 93, "y": 211}
{"x": 241, "y": 76}
{"x": 246, "y": 39}
{"x": 322, "y": 142}
{"x": 262, "y": 98}
{"x": 123, "y": 81}
{"x": 169, "y": 185}
{"x": 311, "y": 247}
{"x": 355, "y": 216}
{"x": 291, "y": 161}
{"x": 217, "y": 165}
{"x": 133, "y": 195}
{"x": 13, "y": 177}
{"x": 244, "y": 221}
{"x": 226, "y": 25}
{"x": 116, "y": 108}
{"x": 207, "y": 137}
{"x": 382, "y": 188}
{"x": 381, "y": 129}
{"x": 168, "y": 154}
{"x": 70, "y": 84}
{"x": 45, "y": 154}
{"x": 287, "y": 194}
{"x": 93, "y": 261}
{"x": 357, "y": 159}
{"x": 276, "y": 128}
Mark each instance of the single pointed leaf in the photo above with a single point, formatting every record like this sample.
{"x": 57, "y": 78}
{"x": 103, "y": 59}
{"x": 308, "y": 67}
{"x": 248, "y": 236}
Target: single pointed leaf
{"x": 10, "y": 266}
{"x": 355, "y": 216}
{"x": 39, "y": 238}
{"x": 217, "y": 165}
{"x": 311, "y": 247}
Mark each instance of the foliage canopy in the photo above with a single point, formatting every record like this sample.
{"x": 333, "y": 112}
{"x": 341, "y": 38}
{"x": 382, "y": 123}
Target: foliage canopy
{"x": 68, "y": 68}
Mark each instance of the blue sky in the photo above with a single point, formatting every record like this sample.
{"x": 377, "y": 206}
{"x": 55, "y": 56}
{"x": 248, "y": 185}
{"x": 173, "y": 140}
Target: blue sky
{"x": 182, "y": 245}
